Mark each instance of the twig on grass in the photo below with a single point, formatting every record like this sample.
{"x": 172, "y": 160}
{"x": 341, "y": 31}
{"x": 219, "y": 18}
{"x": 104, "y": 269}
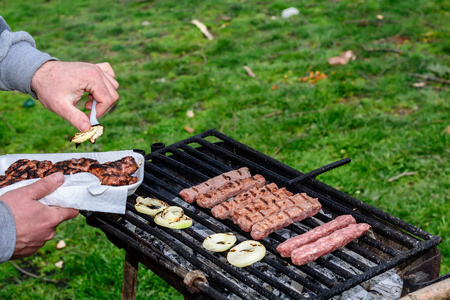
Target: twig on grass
{"x": 7, "y": 124}
{"x": 203, "y": 29}
{"x": 381, "y": 50}
{"x": 287, "y": 143}
{"x": 430, "y": 78}
{"x": 402, "y": 175}
{"x": 31, "y": 274}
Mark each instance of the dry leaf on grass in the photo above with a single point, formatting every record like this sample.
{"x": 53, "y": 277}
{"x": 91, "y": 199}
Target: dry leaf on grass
{"x": 447, "y": 129}
{"x": 190, "y": 113}
{"x": 61, "y": 245}
{"x": 249, "y": 72}
{"x": 203, "y": 29}
{"x": 189, "y": 129}
{"x": 342, "y": 59}
{"x": 313, "y": 77}
{"x": 59, "y": 264}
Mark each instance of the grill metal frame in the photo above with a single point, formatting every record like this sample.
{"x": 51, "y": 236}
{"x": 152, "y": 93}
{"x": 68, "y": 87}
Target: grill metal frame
{"x": 191, "y": 161}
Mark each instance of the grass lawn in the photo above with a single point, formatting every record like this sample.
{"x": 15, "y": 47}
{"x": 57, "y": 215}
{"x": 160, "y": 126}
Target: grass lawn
{"x": 375, "y": 109}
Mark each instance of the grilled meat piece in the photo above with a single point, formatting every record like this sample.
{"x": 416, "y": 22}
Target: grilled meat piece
{"x": 7, "y": 180}
{"x": 225, "y": 209}
{"x": 328, "y": 244}
{"x": 66, "y": 167}
{"x": 261, "y": 208}
{"x": 22, "y": 169}
{"x": 190, "y": 194}
{"x": 229, "y": 190}
{"x": 114, "y": 173}
{"x": 305, "y": 207}
{"x": 42, "y": 167}
{"x": 126, "y": 165}
{"x": 313, "y": 235}
{"x": 117, "y": 179}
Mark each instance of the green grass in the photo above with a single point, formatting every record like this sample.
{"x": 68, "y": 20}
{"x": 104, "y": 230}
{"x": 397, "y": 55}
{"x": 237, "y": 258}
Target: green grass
{"x": 367, "y": 110}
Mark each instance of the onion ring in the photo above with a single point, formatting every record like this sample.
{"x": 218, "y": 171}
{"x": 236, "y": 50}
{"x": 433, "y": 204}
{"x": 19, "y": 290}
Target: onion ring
{"x": 246, "y": 253}
{"x": 219, "y": 242}
{"x": 173, "y": 217}
{"x": 150, "y": 206}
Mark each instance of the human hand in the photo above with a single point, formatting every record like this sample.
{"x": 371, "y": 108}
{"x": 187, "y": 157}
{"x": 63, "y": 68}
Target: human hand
{"x": 36, "y": 222}
{"x": 60, "y": 85}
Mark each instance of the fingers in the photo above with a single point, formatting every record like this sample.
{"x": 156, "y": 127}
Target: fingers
{"x": 43, "y": 187}
{"x": 106, "y": 67}
{"x": 65, "y": 213}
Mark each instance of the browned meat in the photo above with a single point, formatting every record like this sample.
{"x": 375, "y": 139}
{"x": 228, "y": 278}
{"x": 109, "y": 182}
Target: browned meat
{"x": 229, "y": 190}
{"x": 328, "y": 244}
{"x": 313, "y": 235}
{"x": 111, "y": 173}
{"x": 190, "y": 194}
{"x": 126, "y": 165}
{"x": 42, "y": 167}
{"x": 22, "y": 169}
{"x": 7, "y": 180}
{"x": 66, "y": 167}
{"x": 225, "y": 209}
{"x": 261, "y": 208}
{"x": 117, "y": 179}
{"x": 305, "y": 207}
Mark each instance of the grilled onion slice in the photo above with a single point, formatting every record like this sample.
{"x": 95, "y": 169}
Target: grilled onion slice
{"x": 246, "y": 253}
{"x": 92, "y": 134}
{"x": 99, "y": 129}
{"x": 173, "y": 217}
{"x": 219, "y": 242}
{"x": 80, "y": 137}
{"x": 150, "y": 206}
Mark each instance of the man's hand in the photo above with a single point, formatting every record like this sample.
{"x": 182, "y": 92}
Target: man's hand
{"x": 60, "y": 85}
{"x": 36, "y": 222}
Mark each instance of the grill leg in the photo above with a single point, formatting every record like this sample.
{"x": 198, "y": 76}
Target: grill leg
{"x": 130, "y": 271}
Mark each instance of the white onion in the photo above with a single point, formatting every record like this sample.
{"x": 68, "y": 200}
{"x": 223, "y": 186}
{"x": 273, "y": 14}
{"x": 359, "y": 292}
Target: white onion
{"x": 219, "y": 242}
{"x": 173, "y": 217}
{"x": 150, "y": 206}
{"x": 246, "y": 253}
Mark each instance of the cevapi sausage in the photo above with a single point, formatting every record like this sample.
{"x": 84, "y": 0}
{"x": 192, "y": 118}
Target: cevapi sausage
{"x": 264, "y": 207}
{"x": 229, "y": 190}
{"x": 328, "y": 244}
{"x": 305, "y": 207}
{"x": 313, "y": 235}
{"x": 225, "y": 209}
{"x": 190, "y": 194}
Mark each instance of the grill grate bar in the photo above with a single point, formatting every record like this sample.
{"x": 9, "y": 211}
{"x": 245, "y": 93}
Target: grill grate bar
{"x": 202, "y": 219}
{"x": 199, "y": 264}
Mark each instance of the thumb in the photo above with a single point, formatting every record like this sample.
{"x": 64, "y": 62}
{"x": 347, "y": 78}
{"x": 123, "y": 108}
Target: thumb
{"x": 78, "y": 119}
{"x": 41, "y": 188}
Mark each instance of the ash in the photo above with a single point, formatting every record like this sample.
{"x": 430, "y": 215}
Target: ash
{"x": 387, "y": 285}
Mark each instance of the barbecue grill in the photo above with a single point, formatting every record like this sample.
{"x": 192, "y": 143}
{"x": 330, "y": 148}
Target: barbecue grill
{"x": 178, "y": 257}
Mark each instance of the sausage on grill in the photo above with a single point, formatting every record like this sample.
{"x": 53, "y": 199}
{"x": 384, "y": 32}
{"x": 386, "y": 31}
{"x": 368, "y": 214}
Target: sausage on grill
{"x": 225, "y": 209}
{"x": 263, "y": 207}
{"x": 313, "y": 235}
{"x": 305, "y": 207}
{"x": 229, "y": 190}
{"x": 328, "y": 244}
{"x": 190, "y": 194}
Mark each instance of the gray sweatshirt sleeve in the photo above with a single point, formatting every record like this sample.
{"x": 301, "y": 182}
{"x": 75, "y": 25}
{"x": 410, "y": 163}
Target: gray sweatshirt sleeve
{"x": 7, "y": 233}
{"x": 19, "y": 60}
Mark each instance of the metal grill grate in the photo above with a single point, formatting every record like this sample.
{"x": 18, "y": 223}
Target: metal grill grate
{"x": 191, "y": 161}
